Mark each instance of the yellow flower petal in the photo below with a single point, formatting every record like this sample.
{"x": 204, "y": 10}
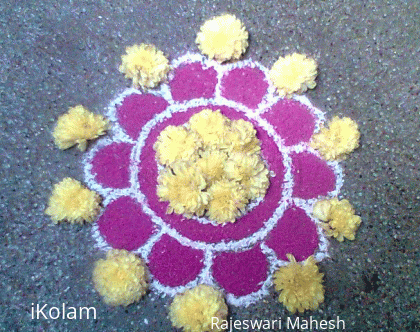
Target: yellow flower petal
{"x": 242, "y": 137}
{"x": 175, "y": 144}
{"x": 293, "y": 74}
{"x": 341, "y": 221}
{"x": 227, "y": 201}
{"x": 121, "y": 278}
{"x": 250, "y": 171}
{"x": 77, "y": 126}
{"x": 339, "y": 139}
{"x": 300, "y": 285}
{"x": 72, "y": 202}
{"x": 210, "y": 126}
{"x": 183, "y": 187}
{"x": 223, "y": 38}
{"x": 212, "y": 165}
{"x": 145, "y": 65}
{"x": 193, "y": 311}
{"x": 322, "y": 209}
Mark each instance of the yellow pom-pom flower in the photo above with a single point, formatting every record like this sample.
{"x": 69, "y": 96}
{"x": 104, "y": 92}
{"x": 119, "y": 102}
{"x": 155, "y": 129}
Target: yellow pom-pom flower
{"x": 71, "y": 201}
{"x": 340, "y": 218}
{"x": 212, "y": 165}
{"x": 227, "y": 201}
{"x": 197, "y": 308}
{"x": 339, "y": 139}
{"x": 77, "y": 126}
{"x": 250, "y": 171}
{"x": 300, "y": 285}
{"x": 175, "y": 144}
{"x": 242, "y": 137}
{"x": 210, "y": 126}
{"x": 294, "y": 73}
{"x": 145, "y": 65}
{"x": 183, "y": 187}
{"x": 223, "y": 38}
{"x": 121, "y": 278}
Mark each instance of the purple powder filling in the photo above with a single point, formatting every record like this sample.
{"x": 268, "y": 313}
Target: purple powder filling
{"x": 137, "y": 109}
{"x": 241, "y": 273}
{"x": 244, "y": 226}
{"x": 124, "y": 225}
{"x": 294, "y": 234}
{"x": 313, "y": 176}
{"x": 110, "y": 165}
{"x": 245, "y": 85}
{"x": 193, "y": 81}
{"x": 292, "y": 120}
{"x": 173, "y": 264}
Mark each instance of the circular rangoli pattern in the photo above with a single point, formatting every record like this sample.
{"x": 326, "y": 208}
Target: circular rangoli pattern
{"x": 239, "y": 257}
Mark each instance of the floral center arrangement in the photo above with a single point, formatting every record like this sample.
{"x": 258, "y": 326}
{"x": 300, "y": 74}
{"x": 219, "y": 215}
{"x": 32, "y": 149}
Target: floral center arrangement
{"x": 211, "y": 166}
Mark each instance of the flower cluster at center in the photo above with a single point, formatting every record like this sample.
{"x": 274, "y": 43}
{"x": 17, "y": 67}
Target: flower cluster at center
{"x": 211, "y": 166}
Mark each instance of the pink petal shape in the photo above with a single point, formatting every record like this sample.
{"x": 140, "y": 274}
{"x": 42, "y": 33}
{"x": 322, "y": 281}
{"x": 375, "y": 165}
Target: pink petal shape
{"x": 313, "y": 176}
{"x": 292, "y": 120}
{"x": 137, "y": 109}
{"x": 173, "y": 264}
{"x": 295, "y": 234}
{"x": 110, "y": 165}
{"x": 193, "y": 81}
{"x": 241, "y": 273}
{"x": 244, "y": 226}
{"x": 124, "y": 225}
{"x": 245, "y": 85}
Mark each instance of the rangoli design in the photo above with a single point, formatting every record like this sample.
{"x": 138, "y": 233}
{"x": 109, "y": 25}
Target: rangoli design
{"x": 216, "y": 180}
{"x": 182, "y": 252}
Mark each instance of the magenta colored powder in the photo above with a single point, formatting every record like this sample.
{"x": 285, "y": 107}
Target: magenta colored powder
{"x": 292, "y": 120}
{"x": 137, "y": 109}
{"x": 245, "y": 85}
{"x": 209, "y": 233}
{"x": 294, "y": 234}
{"x": 193, "y": 81}
{"x": 312, "y": 175}
{"x": 173, "y": 264}
{"x": 241, "y": 273}
{"x": 110, "y": 165}
{"x": 124, "y": 225}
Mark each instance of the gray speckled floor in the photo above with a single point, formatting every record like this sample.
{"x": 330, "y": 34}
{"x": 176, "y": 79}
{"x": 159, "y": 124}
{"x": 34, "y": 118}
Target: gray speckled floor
{"x": 56, "y": 54}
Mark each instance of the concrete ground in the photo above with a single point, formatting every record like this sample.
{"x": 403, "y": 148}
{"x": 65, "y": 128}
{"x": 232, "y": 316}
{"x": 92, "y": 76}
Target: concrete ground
{"x": 56, "y": 54}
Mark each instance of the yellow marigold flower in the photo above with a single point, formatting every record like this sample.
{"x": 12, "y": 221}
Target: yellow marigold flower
{"x": 145, "y": 65}
{"x": 210, "y": 126}
{"x": 250, "y": 171}
{"x": 194, "y": 310}
{"x": 300, "y": 285}
{"x": 242, "y": 137}
{"x": 183, "y": 187}
{"x": 77, "y": 126}
{"x": 176, "y": 143}
{"x": 71, "y": 201}
{"x": 227, "y": 201}
{"x": 121, "y": 278}
{"x": 223, "y": 38}
{"x": 293, "y": 73}
{"x": 212, "y": 165}
{"x": 340, "y": 218}
{"x": 339, "y": 139}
